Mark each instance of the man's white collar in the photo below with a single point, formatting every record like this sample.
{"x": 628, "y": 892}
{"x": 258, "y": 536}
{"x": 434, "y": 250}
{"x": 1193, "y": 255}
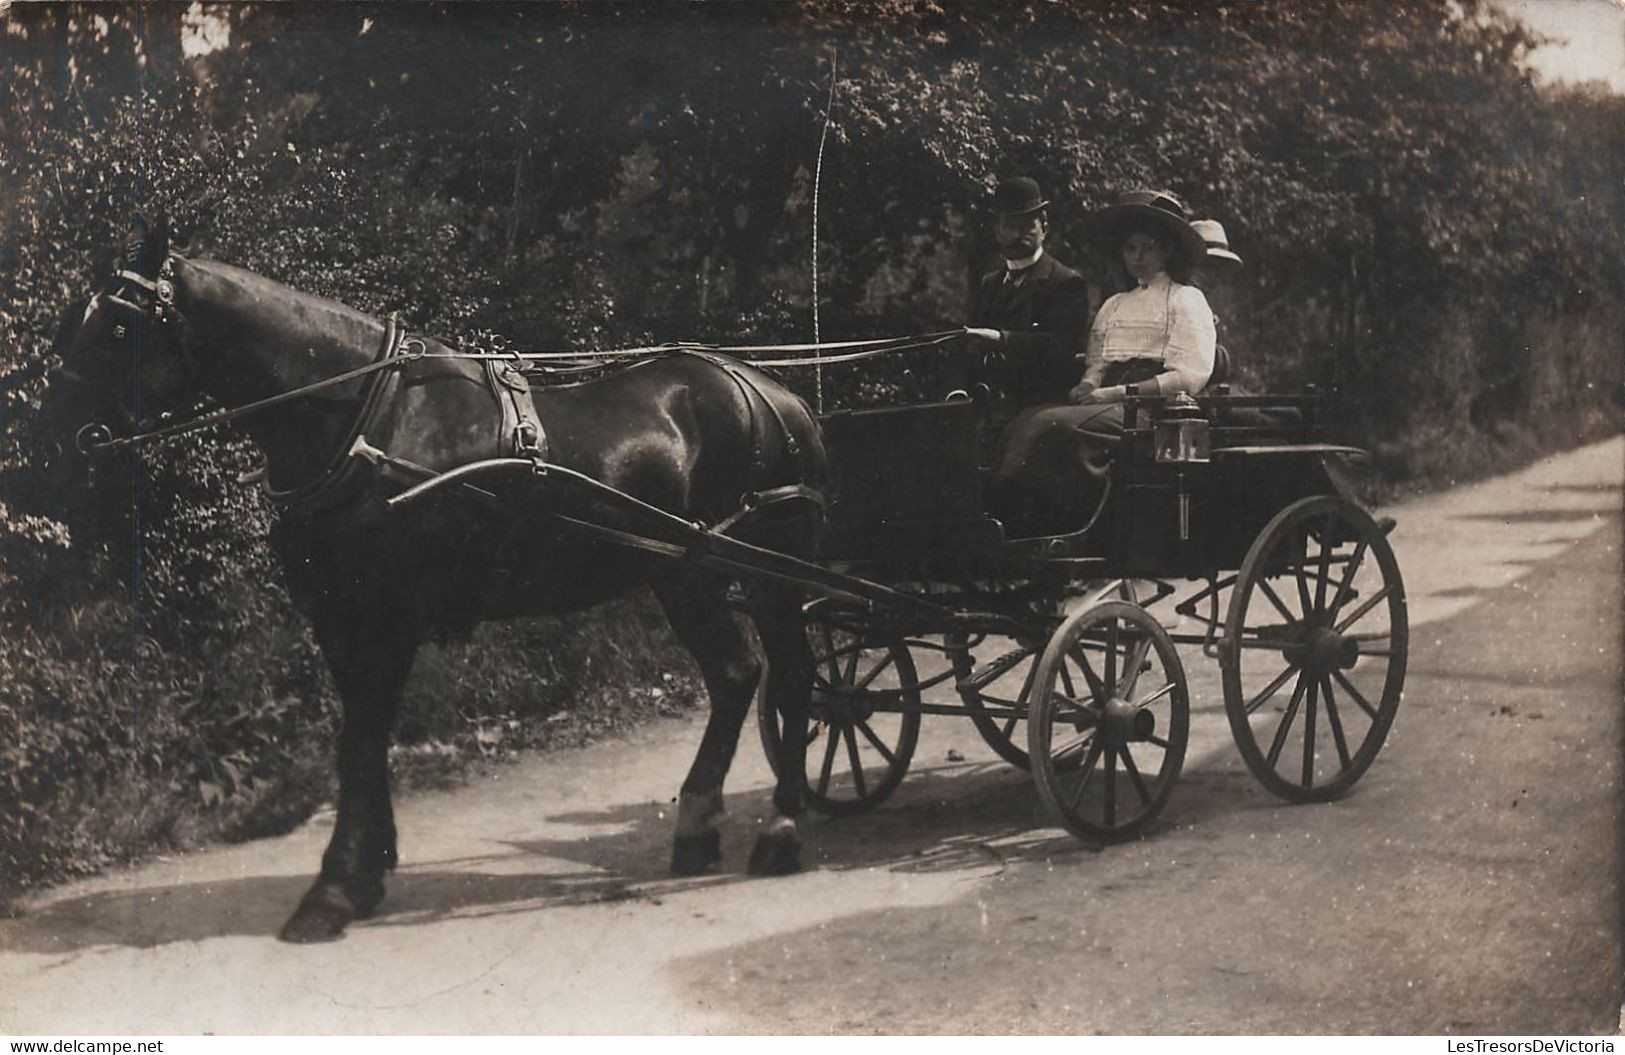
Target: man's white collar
{"x": 1022, "y": 265}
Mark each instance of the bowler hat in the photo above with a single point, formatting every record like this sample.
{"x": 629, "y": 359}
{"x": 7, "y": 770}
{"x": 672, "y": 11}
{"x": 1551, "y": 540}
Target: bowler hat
{"x": 1156, "y": 210}
{"x": 1218, "y": 246}
{"x": 1018, "y": 196}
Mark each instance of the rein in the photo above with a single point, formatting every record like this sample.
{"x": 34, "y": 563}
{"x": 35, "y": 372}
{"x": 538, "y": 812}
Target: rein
{"x": 96, "y": 439}
{"x": 395, "y": 353}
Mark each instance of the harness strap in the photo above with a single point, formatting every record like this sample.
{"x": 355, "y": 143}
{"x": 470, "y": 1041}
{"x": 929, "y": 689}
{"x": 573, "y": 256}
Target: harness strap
{"x": 522, "y": 433}
{"x": 344, "y": 468}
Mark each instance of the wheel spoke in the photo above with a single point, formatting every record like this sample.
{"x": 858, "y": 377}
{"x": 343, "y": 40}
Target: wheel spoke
{"x": 1134, "y": 776}
{"x": 869, "y": 735}
{"x": 1354, "y": 693}
{"x": 1270, "y": 690}
{"x": 1155, "y": 696}
{"x": 1324, "y": 577}
{"x": 1267, "y": 590}
{"x": 857, "y": 764}
{"x": 1353, "y": 569}
{"x": 1267, "y": 644}
{"x": 1360, "y": 612}
{"x": 1286, "y": 722}
{"x": 1009, "y": 728}
{"x": 1309, "y": 735}
{"x": 1303, "y": 583}
{"x": 834, "y": 670}
{"x": 832, "y": 744}
{"x": 1096, "y": 687}
{"x": 1027, "y": 682}
{"x": 852, "y": 658}
{"x": 1335, "y": 722}
{"x": 1136, "y": 661}
{"x": 1111, "y": 660}
{"x": 1059, "y": 756}
{"x": 863, "y": 683}
{"x": 1084, "y": 773}
{"x": 1074, "y": 705}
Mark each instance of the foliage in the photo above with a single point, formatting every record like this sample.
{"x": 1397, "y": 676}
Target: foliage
{"x": 1426, "y": 234}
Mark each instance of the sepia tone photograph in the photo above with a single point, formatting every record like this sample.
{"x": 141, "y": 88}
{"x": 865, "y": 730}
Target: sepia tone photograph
{"x": 812, "y": 517}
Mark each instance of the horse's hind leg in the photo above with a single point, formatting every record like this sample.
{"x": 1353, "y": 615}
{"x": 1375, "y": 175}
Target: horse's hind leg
{"x": 370, "y": 660}
{"x": 777, "y": 614}
{"x": 732, "y": 669}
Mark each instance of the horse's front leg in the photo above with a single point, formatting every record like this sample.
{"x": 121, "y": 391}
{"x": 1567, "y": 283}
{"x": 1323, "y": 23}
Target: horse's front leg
{"x": 370, "y": 657}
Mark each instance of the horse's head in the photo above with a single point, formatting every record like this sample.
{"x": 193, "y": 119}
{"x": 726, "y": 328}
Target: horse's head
{"x": 120, "y": 365}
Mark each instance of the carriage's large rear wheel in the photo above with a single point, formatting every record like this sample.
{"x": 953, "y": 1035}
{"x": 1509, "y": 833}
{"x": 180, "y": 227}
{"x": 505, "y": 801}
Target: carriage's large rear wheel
{"x": 1108, "y": 719}
{"x": 1314, "y": 649}
{"x": 864, "y": 721}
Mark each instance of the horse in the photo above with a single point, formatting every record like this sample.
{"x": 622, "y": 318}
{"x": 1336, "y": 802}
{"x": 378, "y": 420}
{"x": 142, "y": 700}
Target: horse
{"x": 346, "y": 421}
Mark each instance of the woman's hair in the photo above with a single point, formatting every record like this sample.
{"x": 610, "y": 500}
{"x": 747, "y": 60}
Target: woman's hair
{"x": 1180, "y": 267}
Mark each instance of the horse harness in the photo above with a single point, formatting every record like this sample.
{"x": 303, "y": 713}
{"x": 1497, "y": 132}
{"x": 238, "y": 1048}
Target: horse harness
{"x": 521, "y": 434}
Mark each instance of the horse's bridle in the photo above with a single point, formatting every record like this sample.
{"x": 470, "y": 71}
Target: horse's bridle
{"x": 159, "y": 310}
{"x": 149, "y": 302}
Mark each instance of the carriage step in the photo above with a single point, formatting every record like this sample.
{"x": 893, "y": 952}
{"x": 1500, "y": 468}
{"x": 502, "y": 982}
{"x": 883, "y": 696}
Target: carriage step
{"x": 1386, "y": 525}
{"x": 993, "y": 671}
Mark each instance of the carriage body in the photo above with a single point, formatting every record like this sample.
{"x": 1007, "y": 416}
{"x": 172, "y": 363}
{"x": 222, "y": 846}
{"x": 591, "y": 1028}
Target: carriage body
{"x": 906, "y": 494}
{"x": 1243, "y": 550}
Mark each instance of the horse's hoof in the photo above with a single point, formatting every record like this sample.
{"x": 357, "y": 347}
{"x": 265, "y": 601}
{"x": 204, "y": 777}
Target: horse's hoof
{"x": 365, "y": 895}
{"x": 776, "y": 854}
{"x": 693, "y": 855}
{"x": 321, "y": 916}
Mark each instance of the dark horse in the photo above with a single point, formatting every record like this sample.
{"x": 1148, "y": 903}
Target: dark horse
{"x": 692, "y": 435}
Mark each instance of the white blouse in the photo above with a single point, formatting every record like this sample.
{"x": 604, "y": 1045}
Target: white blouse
{"x": 1163, "y": 320}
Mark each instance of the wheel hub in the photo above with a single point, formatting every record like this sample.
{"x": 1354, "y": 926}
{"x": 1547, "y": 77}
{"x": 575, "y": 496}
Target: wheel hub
{"x": 1323, "y": 650}
{"x": 1124, "y": 721}
{"x": 833, "y": 707}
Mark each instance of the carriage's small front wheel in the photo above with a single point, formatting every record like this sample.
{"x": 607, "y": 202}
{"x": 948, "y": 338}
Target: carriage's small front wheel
{"x": 1108, "y": 720}
{"x": 1314, "y": 649}
{"x": 995, "y": 693}
{"x": 863, "y": 724}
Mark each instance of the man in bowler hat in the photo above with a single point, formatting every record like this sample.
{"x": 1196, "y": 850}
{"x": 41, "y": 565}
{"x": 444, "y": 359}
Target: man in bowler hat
{"x": 1029, "y": 319}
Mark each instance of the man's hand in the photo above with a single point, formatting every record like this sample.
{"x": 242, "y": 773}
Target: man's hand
{"x": 980, "y": 336}
{"x": 1082, "y": 392}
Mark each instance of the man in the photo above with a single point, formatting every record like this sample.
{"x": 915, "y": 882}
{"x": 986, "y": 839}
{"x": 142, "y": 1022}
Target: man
{"x": 1029, "y": 319}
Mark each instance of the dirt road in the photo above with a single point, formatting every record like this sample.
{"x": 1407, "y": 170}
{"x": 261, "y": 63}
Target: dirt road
{"x": 1468, "y": 884}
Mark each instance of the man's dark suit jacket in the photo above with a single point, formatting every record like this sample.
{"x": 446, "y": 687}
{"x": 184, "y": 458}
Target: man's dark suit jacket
{"x": 1046, "y": 312}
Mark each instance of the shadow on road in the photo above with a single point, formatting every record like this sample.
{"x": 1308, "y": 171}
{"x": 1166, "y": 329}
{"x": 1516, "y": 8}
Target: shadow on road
{"x": 975, "y": 818}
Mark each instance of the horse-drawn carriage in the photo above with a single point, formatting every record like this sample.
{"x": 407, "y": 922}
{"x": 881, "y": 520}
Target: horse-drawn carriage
{"x": 1297, "y": 595}
{"x": 692, "y": 473}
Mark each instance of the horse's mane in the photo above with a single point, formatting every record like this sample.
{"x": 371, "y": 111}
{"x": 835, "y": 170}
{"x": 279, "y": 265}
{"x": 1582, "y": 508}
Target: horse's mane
{"x": 268, "y": 288}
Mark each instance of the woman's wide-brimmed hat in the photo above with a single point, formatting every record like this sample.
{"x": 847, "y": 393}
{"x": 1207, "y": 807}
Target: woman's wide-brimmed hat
{"x": 1218, "y": 246}
{"x": 1018, "y": 196}
{"x": 1157, "y": 210}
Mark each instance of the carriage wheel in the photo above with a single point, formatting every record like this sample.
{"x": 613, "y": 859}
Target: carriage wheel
{"x": 1108, "y": 720}
{"x": 864, "y": 721}
{"x": 1003, "y": 684}
{"x": 1314, "y": 649}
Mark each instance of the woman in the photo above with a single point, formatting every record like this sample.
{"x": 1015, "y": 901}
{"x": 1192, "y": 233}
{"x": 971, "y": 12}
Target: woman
{"x": 1154, "y": 339}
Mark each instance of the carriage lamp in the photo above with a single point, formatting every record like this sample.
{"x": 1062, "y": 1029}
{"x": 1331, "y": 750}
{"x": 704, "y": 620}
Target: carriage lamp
{"x": 1180, "y": 435}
